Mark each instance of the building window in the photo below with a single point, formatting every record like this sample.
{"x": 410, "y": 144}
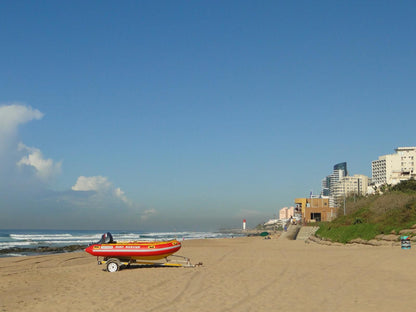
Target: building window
{"x": 316, "y": 216}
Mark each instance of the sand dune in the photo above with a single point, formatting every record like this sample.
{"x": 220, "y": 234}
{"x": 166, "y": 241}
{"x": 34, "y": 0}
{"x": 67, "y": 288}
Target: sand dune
{"x": 239, "y": 274}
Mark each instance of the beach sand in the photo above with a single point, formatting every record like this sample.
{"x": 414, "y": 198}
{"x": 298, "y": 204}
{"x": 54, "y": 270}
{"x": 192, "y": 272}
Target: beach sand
{"x": 238, "y": 274}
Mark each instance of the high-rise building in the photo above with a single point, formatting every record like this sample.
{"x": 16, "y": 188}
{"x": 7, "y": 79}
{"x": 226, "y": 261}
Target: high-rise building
{"x": 329, "y": 183}
{"x": 325, "y": 186}
{"x": 343, "y": 167}
{"x": 339, "y": 185}
{"x": 393, "y": 168}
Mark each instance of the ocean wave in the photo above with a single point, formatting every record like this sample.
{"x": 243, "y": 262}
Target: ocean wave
{"x": 14, "y": 255}
{"x": 24, "y": 239}
{"x": 4, "y": 245}
{"x": 44, "y": 237}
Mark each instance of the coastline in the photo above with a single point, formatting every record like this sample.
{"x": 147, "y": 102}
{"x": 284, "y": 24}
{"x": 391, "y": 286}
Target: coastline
{"x": 238, "y": 274}
{"x": 40, "y": 242}
{"x": 14, "y": 243}
{"x": 35, "y": 251}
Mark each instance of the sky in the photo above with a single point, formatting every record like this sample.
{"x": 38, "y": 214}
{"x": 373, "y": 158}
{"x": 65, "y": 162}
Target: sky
{"x": 194, "y": 115}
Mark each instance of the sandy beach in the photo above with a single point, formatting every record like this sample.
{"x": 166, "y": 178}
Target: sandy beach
{"x": 238, "y": 274}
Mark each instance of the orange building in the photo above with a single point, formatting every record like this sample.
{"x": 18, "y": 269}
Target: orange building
{"x": 315, "y": 209}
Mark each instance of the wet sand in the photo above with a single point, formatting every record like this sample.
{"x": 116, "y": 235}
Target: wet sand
{"x": 238, "y": 274}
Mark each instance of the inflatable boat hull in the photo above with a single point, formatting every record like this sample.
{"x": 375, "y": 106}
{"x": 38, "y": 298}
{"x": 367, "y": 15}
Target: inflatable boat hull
{"x": 135, "y": 250}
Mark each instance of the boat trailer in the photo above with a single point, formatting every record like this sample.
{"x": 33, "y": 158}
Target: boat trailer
{"x": 115, "y": 264}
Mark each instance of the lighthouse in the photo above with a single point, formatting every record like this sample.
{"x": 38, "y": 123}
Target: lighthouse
{"x": 244, "y": 224}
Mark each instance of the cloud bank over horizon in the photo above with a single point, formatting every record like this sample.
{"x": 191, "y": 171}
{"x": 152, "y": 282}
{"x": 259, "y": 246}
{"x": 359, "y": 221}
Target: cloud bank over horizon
{"x": 28, "y": 201}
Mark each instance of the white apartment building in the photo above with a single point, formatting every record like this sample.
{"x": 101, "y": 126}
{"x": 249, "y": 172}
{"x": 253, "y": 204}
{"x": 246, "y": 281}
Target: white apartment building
{"x": 336, "y": 179}
{"x": 336, "y": 176}
{"x": 350, "y": 185}
{"x": 393, "y": 168}
{"x": 330, "y": 182}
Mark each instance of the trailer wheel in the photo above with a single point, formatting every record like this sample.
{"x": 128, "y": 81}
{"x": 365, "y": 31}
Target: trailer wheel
{"x": 113, "y": 265}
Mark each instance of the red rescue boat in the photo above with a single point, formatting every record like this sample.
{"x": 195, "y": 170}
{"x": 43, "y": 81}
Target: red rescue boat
{"x": 121, "y": 254}
{"x": 136, "y": 250}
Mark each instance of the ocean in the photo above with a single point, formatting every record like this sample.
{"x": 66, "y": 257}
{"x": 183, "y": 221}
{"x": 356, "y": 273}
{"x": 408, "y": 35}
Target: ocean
{"x": 14, "y": 240}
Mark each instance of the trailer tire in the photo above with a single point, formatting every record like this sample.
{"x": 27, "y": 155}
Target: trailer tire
{"x": 113, "y": 265}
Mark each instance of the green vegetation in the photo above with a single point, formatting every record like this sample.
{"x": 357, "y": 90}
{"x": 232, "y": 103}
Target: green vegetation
{"x": 368, "y": 216}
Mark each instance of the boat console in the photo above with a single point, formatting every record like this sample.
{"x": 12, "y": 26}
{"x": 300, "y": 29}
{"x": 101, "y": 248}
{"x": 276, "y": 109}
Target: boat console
{"x": 106, "y": 238}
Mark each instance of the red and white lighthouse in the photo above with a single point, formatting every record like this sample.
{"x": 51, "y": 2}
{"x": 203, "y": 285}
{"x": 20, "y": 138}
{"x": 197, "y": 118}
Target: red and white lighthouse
{"x": 244, "y": 224}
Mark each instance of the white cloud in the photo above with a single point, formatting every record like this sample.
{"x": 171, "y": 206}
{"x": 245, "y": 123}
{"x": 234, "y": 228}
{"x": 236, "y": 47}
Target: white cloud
{"x": 11, "y": 116}
{"x": 147, "y": 214}
{"x": 97, "y": 184}
{"x": 120, "y": 194}
{"x": 100, "y": 185}
{"x": 44, "y": 168}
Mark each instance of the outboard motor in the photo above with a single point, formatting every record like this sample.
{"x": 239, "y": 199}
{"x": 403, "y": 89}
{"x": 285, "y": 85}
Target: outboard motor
{"x": 106, "y": 238}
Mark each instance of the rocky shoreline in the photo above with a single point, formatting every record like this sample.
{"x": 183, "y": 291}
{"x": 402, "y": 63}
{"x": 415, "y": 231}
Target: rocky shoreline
{"x": 42, "y": 249}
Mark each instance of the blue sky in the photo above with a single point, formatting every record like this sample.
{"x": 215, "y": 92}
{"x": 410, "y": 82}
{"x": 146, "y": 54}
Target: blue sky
{"x": 193, "y": 115}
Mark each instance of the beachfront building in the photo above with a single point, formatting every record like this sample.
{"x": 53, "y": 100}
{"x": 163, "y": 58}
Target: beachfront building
{"x": 285, "y": 213}
{"x": 394, "y": 168}
{"x": 349, "y": 186}
{"x": 315, "y": 209}
{"x": 329, "y": 183}
{"x": 339, "y": 185}
{"x": 339, "y": 171}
